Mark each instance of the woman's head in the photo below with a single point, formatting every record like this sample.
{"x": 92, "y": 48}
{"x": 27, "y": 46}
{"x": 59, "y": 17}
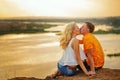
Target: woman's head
{"x": 87, "y": 27}
{"x": 70, "y": 30}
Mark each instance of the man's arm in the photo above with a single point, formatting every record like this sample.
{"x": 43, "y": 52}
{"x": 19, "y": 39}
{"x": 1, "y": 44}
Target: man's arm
{"x": 90, "y": 59}
{"x": 80, "y": 41}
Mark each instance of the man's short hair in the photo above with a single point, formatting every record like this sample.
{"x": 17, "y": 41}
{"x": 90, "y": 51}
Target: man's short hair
{"x": 90, "y": 26}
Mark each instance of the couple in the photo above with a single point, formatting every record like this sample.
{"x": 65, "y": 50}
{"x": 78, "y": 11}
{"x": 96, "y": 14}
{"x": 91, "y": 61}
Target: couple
{"x": 73, "y": 58}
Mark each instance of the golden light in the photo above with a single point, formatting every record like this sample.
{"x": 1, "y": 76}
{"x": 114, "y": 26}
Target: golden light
{"x": 68, "y": 8}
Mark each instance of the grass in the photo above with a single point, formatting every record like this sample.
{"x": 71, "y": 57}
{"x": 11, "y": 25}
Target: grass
{"x": 107, "y": 32}
{"x": 21, "y": 31}
{"x": 114, "y": 54}
{"x": 40, "y": 29}
{"x": 21, "y": 27}
{"x": 28, "y": 32}
{"x": 32, "y": 27}
{"x": 101, "y": 32}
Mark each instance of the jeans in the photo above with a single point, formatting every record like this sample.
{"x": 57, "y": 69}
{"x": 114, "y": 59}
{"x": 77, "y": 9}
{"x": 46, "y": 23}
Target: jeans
{"x": 87, "y": 67}
{"x": 66, "y": 71}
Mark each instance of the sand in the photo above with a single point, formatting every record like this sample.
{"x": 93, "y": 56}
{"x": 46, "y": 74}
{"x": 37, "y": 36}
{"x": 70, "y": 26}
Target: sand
{"x": 103, "y": 74}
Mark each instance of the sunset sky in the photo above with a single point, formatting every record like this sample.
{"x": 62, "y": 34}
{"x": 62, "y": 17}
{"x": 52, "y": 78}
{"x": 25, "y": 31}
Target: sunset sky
{"x": 61, "y": 8}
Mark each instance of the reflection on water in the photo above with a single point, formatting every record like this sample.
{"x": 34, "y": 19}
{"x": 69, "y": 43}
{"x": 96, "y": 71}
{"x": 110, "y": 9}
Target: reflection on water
{"x": 30, "y": 55}
{"x": 13, "y": 36}
{"x": 103, "y": 27}
{"x": 112, "y": 62}
{"x": 42, "y": 45}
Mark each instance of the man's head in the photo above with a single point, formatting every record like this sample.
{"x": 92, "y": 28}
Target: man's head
{"x": 87, "y": 27}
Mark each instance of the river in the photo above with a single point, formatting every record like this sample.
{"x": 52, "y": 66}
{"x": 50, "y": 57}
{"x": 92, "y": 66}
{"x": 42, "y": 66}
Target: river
{"x": 36, "y": 55}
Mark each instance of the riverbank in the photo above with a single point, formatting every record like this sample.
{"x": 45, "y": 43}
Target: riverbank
{"x": 46, "y": 27}
{"x": 103, "y": 74}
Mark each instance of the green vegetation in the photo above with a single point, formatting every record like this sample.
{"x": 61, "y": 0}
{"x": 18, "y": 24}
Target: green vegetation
{"x": 107, "y": 32}
{"x": 111, "y": 21}
{"x": 39, "y": 25}
{"x": 22, "y": 31}
{"x": 114, "y": 54}
{"x": 17, "y": 28}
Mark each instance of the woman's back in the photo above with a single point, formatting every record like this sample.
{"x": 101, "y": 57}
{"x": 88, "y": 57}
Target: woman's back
{"x": 68, "y": 57}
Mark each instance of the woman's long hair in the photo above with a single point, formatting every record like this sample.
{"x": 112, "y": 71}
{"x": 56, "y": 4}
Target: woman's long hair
{"x": 67, "y": 35}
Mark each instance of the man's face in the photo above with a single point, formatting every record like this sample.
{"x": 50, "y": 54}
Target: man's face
{"x": 84, "y": 29}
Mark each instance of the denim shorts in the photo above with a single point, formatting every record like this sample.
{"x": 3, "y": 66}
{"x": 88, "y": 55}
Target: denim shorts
{"x": 66, "y": 71}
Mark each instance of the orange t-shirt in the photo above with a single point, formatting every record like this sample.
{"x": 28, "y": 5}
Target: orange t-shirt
{"x": 90, "y": 42}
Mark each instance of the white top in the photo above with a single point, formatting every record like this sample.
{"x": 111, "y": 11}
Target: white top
{"x": 68, "y": 57}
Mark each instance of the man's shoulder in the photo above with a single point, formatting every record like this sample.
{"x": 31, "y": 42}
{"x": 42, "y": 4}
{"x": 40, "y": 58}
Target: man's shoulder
{"x": 89, "y": 36}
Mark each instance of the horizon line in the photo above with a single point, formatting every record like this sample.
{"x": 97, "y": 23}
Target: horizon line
{"x": 30, "y": 17}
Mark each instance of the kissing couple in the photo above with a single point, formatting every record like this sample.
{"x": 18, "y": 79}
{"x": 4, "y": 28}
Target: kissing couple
{"x": 75, "y": 59}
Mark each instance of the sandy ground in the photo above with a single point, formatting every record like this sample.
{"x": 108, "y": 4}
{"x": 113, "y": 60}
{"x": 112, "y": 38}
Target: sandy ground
{"x": 103, "y": 74}
{"x": 36, "y": 55}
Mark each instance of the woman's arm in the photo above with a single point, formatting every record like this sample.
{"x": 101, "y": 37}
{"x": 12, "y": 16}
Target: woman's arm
{"x": 75, "y": 46}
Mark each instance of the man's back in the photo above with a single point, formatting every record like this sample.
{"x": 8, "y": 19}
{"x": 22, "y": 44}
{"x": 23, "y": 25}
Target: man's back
{"x": 90, "y": 42}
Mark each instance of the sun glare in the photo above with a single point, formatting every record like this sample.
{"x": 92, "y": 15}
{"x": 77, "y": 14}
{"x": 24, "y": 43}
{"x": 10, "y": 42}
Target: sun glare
{"x": 68, "y": 8}
{"x": 86, "y": 4}
{"x": 52, "y": 8}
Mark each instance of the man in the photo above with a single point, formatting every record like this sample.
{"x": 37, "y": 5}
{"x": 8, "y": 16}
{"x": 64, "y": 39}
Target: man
{"x": 92, "y": 48}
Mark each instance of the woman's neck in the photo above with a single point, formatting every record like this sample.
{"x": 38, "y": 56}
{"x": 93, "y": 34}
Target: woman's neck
{"x": 74, "y": 35}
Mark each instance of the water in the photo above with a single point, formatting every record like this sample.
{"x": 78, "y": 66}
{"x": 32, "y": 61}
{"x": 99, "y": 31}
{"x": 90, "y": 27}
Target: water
{"x": 36, "y": 55}
{"x": 111, "y": 45}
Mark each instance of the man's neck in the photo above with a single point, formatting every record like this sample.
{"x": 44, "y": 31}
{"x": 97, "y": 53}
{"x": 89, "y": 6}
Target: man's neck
{"x": 86, "y": 33}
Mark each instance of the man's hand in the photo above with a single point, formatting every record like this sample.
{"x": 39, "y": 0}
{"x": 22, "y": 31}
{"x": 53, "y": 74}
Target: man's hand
{"x": 92, "y": 73}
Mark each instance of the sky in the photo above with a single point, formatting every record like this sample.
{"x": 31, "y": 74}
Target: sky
{"x": 59, "y": 8}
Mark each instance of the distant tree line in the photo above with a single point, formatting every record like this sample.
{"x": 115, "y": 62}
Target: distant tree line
{"x": 111, "y": 21}
{"x": 39, "y": 25}
{"x": 21, "y": 27}
{"x": 11, "y": 26}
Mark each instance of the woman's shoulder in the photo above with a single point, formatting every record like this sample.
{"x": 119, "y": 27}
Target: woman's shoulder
{"x": 75, "y": 40}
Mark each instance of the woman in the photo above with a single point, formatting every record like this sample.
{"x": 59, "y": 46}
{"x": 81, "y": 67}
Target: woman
{"x": 72, "y": 55}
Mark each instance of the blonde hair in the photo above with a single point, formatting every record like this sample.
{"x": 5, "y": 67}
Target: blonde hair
{"x": 67, "y": 35}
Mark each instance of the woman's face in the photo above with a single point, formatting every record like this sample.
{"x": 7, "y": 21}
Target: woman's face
{"x": 76, "y": 30}
{"x": 84, "y": 29}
